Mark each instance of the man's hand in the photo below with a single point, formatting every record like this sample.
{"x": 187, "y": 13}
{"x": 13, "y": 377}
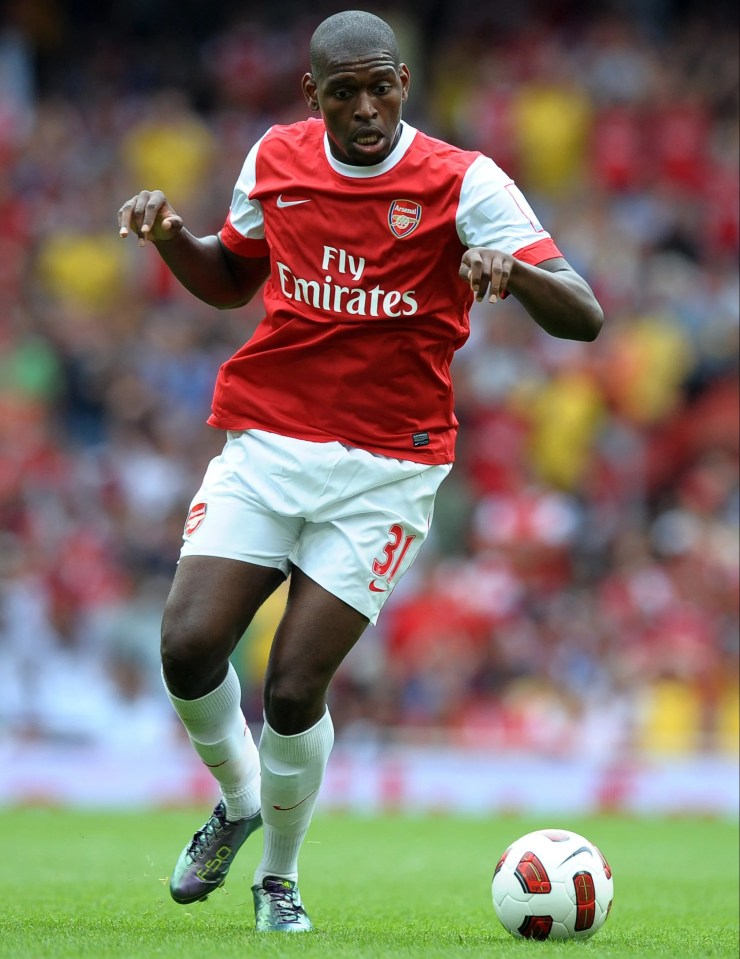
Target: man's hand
{"x": 150, "y": 216}
{"x": 483, "y": 268}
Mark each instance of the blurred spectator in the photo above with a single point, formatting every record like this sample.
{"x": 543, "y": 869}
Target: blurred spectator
{"x": 168, "y": 145}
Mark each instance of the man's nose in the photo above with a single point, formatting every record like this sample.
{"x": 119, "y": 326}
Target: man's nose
{"x": 365, "y": 106}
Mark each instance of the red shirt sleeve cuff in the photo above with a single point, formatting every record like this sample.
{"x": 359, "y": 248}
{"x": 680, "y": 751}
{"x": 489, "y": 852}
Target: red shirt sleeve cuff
{"x": 537, "y": 252}
{"x": 241, "y": 245}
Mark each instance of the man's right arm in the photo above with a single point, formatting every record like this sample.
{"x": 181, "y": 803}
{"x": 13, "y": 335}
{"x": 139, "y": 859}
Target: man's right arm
{"x": 203, "y": 265}
{"x": 211, "y": 272}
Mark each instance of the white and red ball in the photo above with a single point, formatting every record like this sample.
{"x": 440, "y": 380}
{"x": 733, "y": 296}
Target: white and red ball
{"x": 552, "y": 884}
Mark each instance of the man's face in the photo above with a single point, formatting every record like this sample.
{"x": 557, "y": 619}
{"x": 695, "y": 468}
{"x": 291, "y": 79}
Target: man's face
{"x": 360, "y": 99}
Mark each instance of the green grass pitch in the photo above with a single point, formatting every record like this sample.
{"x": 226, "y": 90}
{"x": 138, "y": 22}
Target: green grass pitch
{"x": 77, "y": 885}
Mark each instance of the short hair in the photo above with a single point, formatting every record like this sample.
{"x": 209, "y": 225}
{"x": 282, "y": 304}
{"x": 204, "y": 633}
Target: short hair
{"x": 350, "y": 32}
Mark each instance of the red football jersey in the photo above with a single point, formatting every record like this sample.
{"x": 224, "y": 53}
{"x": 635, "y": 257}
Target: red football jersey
{"x": 364, "y": 304}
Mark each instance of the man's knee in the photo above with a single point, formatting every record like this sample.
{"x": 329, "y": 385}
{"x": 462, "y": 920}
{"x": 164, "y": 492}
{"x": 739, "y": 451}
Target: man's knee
{"x": 194, "y": 658}
{"x": 293, "y": 704}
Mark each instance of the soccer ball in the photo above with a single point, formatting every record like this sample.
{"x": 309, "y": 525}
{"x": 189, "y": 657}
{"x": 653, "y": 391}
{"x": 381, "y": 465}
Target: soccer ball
{"x": 552, "y": 884}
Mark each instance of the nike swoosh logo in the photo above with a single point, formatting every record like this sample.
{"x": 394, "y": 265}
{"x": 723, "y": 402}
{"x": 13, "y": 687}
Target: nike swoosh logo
{"x": 576, "y": 853}
{"x": 283, "y": 203}
{"x": 286, "y": 808}
{"x": 377, "y": 589}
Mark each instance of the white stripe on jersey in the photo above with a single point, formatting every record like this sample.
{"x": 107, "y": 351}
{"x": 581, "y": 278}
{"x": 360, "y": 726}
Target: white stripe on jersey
{"x": 493, "y": 211}
{"x": 246, "y": 215}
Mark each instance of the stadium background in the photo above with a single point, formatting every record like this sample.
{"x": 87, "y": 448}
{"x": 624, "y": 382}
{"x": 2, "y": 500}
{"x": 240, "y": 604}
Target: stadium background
{"x": 569, "y": 636}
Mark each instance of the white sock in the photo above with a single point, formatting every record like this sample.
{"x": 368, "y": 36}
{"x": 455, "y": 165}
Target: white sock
{"x": 219, "y": 733}
{"x": 292, "y": 771}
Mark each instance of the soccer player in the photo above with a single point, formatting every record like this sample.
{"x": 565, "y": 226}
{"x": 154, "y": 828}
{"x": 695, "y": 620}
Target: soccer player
{"x": 371, "y": 240}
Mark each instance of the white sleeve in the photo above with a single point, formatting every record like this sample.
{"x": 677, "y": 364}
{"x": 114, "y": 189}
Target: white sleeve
{"x": 493, "y": 211}
{"x": 246, "y": 215}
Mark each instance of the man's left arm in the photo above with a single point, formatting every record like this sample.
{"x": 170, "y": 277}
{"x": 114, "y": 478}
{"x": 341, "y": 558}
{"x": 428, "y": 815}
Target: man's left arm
{"x": 556, "y": 297}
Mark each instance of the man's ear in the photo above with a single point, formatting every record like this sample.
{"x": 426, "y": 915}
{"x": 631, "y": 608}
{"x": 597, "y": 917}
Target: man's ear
{"x": 405, "y": 76}
{"x": 308, "y": 85}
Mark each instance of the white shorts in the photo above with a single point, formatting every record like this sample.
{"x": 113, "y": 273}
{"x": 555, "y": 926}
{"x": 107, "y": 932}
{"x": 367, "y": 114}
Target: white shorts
{"x": 351, "y": 520}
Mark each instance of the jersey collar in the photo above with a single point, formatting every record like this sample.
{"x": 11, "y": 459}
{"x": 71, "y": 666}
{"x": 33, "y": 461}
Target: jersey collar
{"x": 362, "y": 172}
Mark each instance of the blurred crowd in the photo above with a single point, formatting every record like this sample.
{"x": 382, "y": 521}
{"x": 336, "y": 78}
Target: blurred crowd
{"x": 580, "y": 589}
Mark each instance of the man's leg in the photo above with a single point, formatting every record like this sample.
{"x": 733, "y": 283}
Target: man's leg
{"x": 314, "y": 636}
{"x": 211, "y": 603}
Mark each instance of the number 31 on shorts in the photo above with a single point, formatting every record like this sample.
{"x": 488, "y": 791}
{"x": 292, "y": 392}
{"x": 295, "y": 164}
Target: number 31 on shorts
{"x": 393, "y": 552}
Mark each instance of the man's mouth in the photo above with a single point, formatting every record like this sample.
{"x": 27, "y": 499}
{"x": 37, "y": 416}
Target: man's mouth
{"x": 368, "y": 139}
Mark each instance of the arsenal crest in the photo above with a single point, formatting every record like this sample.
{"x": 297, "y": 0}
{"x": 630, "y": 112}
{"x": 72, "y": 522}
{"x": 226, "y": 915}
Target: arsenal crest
{"x": 195, "y": 517}
{"x": 404, "y": 217}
